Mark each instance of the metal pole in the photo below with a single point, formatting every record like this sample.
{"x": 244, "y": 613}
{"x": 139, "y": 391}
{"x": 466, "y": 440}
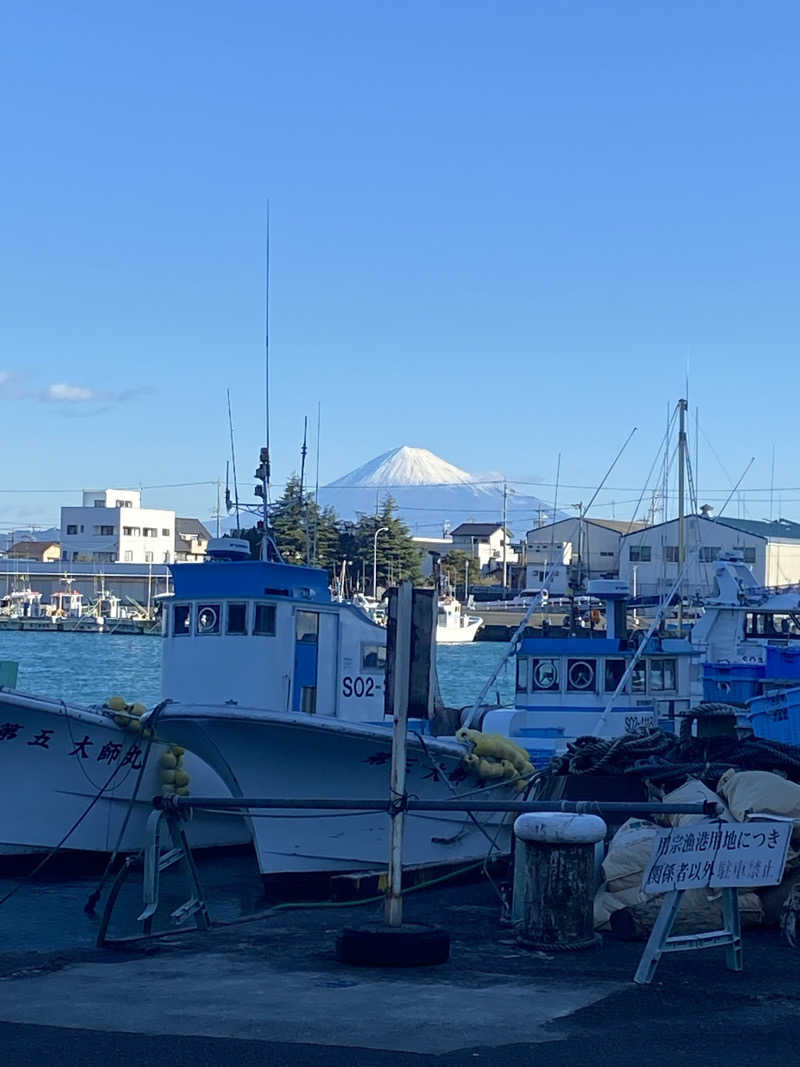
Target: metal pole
{"x": 397, "y": 797}
{"x": 380, "y": 530}
{"x": 505, "y": 521}
{"x": 681, "y": 509}
{"x": 579, "y": 807}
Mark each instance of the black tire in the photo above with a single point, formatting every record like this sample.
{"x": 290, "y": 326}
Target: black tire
{"x": 378, "y": 945}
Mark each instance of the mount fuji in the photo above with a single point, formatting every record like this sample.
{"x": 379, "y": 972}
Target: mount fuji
{"x": 430, "y": 494}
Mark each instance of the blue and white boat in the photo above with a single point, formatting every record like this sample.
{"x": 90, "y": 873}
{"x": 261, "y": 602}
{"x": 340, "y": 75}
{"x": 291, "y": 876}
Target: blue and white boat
{"x": 605, "y": 685}
{"x": 280, "y": 689}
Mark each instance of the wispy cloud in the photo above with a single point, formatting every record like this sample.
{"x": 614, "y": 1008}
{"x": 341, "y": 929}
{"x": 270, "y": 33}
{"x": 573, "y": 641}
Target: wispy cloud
{"x": 63, "y": 392}
{"x": 82, "y": 400}
{"x": 5, "y": 379}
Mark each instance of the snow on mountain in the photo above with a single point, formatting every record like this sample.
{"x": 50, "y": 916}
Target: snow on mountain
{"x": 430, "y": 494}
{"x": 405, "y": 466}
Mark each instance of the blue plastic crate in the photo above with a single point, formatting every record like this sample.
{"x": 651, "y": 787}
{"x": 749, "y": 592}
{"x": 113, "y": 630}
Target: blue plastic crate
{"x": 776, "y": 716}
{"x": 732, "y": 683}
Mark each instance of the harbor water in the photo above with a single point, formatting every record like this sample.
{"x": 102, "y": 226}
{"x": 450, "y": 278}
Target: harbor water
{"x": 88, "y": 668}
{"x": 47, "y": 913}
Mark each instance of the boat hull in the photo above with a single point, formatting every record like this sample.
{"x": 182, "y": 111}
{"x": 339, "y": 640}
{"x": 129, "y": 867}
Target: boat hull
{"x": 68, "y": 774}
{"x": 266, "y": 754}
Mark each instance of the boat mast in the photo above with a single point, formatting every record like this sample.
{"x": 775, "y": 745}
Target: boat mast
{"x": 681, "y": 503}
{"x": 303, "y": 510}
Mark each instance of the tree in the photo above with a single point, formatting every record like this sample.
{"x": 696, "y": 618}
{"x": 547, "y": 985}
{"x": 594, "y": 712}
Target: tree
{"x": 398, "y": 558}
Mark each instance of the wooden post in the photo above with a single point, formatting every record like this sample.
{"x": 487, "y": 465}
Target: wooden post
{"x": 401, "y": 631}
{"x": 555, "y": 877}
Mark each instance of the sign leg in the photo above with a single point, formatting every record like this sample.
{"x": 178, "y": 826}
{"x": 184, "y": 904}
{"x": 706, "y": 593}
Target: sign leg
{"x": 733, "y": 926}
{"x": 654, "y": 948}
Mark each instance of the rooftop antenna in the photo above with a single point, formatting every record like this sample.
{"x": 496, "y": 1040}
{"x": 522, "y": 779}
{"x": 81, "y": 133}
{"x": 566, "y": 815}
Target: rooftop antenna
{"x": 233, "y": 464}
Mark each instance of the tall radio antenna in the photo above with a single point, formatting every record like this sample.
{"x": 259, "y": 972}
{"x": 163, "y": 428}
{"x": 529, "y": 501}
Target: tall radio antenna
{"x": 233, "y": 463}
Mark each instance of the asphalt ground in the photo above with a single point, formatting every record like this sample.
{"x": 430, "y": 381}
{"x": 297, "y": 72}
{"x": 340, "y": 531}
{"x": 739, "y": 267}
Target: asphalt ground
{"x": 273, "y": 992}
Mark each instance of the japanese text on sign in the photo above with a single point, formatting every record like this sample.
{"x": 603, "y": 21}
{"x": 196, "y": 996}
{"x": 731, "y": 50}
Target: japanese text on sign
{"x": 718, "y": 854}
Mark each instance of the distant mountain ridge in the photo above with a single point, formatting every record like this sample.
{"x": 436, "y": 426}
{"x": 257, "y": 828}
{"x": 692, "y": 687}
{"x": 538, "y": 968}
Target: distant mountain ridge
{"x": 431, "y": 494}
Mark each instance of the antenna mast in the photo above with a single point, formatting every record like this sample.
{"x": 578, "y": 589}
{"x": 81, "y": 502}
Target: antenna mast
{"x": 263, "y": 469}
{"x": 316, "y": 489}
{"x": 303, "y": 511}
{"x": 233, "y": 463}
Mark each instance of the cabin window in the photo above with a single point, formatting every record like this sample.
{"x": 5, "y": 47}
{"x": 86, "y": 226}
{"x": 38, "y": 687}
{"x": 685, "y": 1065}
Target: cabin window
{"x": 442, "y": 617}
{"x": 522, "y": 675}
{"x": 580, "y": 675}
{"x": 545, "y": 674}
{"x": 264, "y": 620}
{"x": 639, "y": 677}
{"x": 208, "y": 618}
{"x": 308, "y": 699}
{"x": 662, "y": 674}
{"x": 615, "y": 668}
{"x": 373, "y": 657}
{"x": 236, "y": 619}
{"x": 307, "y": 627}
{"x": 181, "y": 619}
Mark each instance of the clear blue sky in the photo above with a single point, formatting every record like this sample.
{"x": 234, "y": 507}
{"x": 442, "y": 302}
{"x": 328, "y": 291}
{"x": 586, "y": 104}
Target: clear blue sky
{"x": 498, "y": 232}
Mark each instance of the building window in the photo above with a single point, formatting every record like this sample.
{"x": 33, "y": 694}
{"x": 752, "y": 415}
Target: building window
{"x": 148, "y": 557}
{"x": 662, "y": 675}
{"x": 208, "y": 619}
{"x": 611, "y": 554}
{"x": 236, "y": 619}
{"x": 72, "y": 529}
{"x": 149, "y": 531}
{"x": 181, "y": 619}
{"x": 106, "y": 531}
{"x": 165, "y": 532}
{"x": 166, "y": 557}
{"x": 99, "y": 503}
{"x": 671, "y": 554}
{"x": 639, "y": 553}
{"x": 129, "y": 557}
{"x": 708, "y": 553}
{"x": 749, "y": 555}
{"x": 264, "y": 620}
{"x": 373, "y": 658}
{"x": 130, "y": 531}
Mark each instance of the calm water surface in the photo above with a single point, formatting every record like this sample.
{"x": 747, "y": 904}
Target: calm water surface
{"x": 88, "y": 668}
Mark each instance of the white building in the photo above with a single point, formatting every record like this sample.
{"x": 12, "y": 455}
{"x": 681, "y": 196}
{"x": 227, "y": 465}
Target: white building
{"x": 487, "y": 542}
{"x": 426, "y": 546}
{"x": 570, "y": 552}
{"x": 649, "y": 557}
{"x": 113, "y": 527}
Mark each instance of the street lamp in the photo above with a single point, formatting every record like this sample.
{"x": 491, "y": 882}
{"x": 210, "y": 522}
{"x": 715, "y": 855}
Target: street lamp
{"x": 380, "y": 530}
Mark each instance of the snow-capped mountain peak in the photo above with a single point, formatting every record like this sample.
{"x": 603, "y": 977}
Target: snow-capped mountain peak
{"x": 405, "y": 466}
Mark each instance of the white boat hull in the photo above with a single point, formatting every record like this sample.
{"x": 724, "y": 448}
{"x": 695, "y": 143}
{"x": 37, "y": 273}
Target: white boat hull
{"x": 458, "y": 635}
{"x": 265, "y": 754}
{"x": 55, "y": 758}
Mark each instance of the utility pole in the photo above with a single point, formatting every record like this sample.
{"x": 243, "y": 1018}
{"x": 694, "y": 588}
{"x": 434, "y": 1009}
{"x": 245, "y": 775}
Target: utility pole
{"x": 505, "y": 523}
{"x": 681, "y": 504}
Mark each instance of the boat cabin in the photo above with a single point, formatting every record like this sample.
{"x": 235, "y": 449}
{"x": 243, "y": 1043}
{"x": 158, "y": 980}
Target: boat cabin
{"x": 565, "y": 685}
{"x": 268, "y": 635}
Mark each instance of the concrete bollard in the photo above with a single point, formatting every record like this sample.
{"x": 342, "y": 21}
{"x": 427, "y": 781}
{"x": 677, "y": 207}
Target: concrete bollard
{"x": 554, "y": 880}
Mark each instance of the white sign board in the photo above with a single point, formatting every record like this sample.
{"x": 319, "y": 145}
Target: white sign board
{"x": 718, "y": 854}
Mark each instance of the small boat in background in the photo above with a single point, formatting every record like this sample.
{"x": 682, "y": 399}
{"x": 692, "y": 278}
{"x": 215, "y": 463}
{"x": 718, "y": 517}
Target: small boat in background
{"x": 452, "y": 625}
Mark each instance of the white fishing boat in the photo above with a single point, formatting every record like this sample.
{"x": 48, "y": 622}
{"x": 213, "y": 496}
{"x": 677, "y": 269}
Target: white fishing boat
{"x": 281, "y": 690}
{"x": 453, "y": 626}
{"x": 73, "y": 778}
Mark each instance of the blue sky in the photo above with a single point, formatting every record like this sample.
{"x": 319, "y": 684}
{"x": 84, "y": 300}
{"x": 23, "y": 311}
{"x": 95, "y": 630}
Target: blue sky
{"x": 499, "y": 233}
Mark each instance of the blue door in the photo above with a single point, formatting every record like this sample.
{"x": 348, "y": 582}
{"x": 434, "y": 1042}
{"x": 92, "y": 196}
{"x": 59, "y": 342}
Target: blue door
{"x": 304, "y": 695}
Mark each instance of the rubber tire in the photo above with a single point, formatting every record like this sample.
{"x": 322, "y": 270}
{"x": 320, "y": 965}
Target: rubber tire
{"x": 378, "y": 945}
